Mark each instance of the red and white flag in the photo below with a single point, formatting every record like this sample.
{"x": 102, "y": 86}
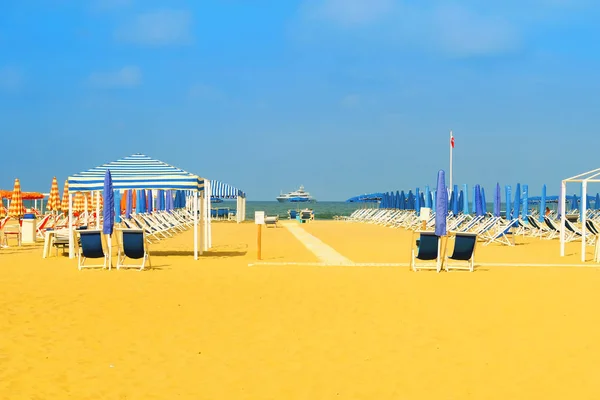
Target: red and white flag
{"x": 452, "y": 141}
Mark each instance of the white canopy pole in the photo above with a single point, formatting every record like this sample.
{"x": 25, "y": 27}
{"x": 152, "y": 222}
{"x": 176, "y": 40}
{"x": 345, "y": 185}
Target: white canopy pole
{"x": 209, "y": 220}
{"x": 582, "y": 217}
{"x": 196, "y": 225}
{"x": 201, "y": 218}
{"x": 71, "y": 244}
{"x": 563, "y": 207}
{"x": 87, "y": 213}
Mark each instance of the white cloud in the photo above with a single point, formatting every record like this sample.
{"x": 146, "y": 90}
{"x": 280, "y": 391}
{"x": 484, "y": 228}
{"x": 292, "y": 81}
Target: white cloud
{"x": 128, "y": 76}
{"x": 350, "y": 101}
{"x": 158, "y": 28}
{"x": 11, "y": 78}
{"x": 349, "y": 12}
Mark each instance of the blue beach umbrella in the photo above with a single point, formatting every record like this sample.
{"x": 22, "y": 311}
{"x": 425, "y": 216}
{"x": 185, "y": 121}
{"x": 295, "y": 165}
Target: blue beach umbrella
{"x": 542, "y": 205}
{"x": 441, "y": 207}
{"x": 588, "y": 203}
{"x": 477, "y": 202}
{"x": 160, "y": 200}
{"x": 108, "y": 211}
{"x": 451, "y": 202}
{"x": 597, "y": 201}
{"x": 454, "y": 200}
{"x": 117, "y": 206}
{"x": 466, "y": 200}
{"x": 422, "y": 199}
{"x": 138, "y": 202}
{"x": 525, "y": 211}
{"x": 574, "y": 202}
{"x": 461, "y": 199}
{"x": 397, "y": 205}
{"x": 483, "y": 202}
{"x": 128, "y": 203}
{"x": 428, "y": 199}
{"x": 473, "y": 204}
{"x": 149, "y": 201}
{"x": 517, "y": 204}
{"x": 410, "y": 201}
{"x": 508, "y": 214}
{"x": 497, "y": 200}
{"x": 417, "y": 201}
{"x": 169, "y": 202}
{"x": 402, "y": 200}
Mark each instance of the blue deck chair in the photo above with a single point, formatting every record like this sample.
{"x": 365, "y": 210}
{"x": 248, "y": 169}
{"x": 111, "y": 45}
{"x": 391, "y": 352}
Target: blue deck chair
{"x": 292, "y": 214}
{"x": 463, "y": 254}
{"x": 428, "y": 253}
{"x": 91, "y": 246}
{"x": 133, "y": 246}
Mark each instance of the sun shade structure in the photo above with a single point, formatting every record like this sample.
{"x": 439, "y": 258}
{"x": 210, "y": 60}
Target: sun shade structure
{"x": 139, "y": 171}
{"x": 220, "y": 190}
{"x": 16, "y": 208}
{"x": 583, "y": 179}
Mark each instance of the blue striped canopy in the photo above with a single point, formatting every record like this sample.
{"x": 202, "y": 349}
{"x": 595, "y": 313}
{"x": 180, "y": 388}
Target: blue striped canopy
{"x": 137, "y": 171}
{"x": 224, "y": 191}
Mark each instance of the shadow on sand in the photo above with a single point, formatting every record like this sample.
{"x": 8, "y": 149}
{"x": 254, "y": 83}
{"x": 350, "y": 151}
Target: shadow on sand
{"x": 206, "y": 254}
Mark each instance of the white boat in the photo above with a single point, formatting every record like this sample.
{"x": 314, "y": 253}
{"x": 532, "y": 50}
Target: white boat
{"x": 297, "y": 196}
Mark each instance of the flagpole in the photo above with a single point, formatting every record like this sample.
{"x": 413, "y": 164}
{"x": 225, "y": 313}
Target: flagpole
{"x": 451, "y": 148}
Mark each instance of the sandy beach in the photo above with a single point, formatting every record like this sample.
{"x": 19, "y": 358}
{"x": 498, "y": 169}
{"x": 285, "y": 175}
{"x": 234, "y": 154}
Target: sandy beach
{"x": 221, "y": 328}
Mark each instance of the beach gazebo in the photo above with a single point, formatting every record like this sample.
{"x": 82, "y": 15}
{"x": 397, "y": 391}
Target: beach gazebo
{"x": 225, "y": 191}
{"x": 139, "y": 171}
{"x": 582, "y": 179}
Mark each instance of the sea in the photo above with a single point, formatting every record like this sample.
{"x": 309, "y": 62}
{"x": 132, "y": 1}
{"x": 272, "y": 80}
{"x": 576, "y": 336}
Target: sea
{"x": 322, "y": 209}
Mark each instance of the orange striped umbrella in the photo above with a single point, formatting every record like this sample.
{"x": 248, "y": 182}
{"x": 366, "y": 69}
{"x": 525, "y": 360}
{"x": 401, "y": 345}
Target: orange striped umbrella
{"x": 99, "y": 199}
{"x": 78, "y": 202}
{"x": 89, "y": 201}
{"x": 54, "y": 197}
{"x": 16, "y": 208}
{"x": 2, "y": 209}
{"x": 65, "y": 198}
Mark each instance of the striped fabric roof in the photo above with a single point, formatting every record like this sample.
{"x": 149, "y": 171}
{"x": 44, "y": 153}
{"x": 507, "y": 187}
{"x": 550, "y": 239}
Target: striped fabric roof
{"x": 224, "y": 191}
{"x": 137, "y": 171}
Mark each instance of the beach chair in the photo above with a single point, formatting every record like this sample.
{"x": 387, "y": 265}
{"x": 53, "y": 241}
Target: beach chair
{"x": 500, "y": 233}
{"x": 427, "y": 253}
{"x": 305, "y": 216}
{"x": 271, "y": 221}
{"x": 292, "y": 214}
{"x": 133, "y": 246}
{"x": 91, "y": 246}
{"x": 463, "y": 254}
{"x": 41, "y": 226}
{"x": 12, "y": 228}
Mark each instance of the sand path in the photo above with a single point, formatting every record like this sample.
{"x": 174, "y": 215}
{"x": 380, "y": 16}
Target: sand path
{"x": 325, "y": 253}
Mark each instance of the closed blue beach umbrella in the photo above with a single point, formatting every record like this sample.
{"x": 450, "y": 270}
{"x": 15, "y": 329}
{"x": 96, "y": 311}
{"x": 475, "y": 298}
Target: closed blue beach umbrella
{"x": 417, "y": 201}
{"x": 149, "y": 201}
{"x": 138, "y": 203}
{"x": 597, "y": 201}
{"x": 128, "y": 203}
{"x": 402, "y": 200}
{"x": 525, "y": 211}
{"x": 461, "y": 199}
{"x": 397, "y": 205}
{"x": 441, "y": 206}
{"x": 108, "y": 210}
{"x": 455, "y": 200}
{"x": 451, "y": 203}
{"x": 574, "y": 203}
{"x": 508, "y": 213}
{"x": 117, "y": 206}
{"x": 428, "y": 199}
{"x": 477, "y": 202}
{"x": 466, "y": 200}
{"x": 474, "y": 204}
{"x": 410, "y": 201}
{"x": 160, "y": 200}
{"x": 483, "y": 201}
{"x": 422, "y": 199}
{"x": 543, "y": 205}
{"x": 517, "y": 204}
{"x": 497, "y": 200}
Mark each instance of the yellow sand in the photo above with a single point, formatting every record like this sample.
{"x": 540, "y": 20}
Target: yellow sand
{"x": 219, "y": 329}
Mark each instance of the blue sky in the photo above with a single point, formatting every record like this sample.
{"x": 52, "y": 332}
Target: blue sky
{"x": 343, "y": 96}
